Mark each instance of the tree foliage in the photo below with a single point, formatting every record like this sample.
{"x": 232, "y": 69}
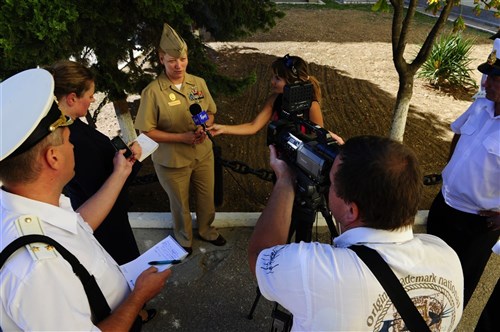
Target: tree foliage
{"x": 33, "y": 32}
{"x": 403, "y": 15}
{"x": 110, "y": 35}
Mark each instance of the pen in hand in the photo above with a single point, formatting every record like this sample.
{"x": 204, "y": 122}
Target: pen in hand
{"x": 173, "y": 261}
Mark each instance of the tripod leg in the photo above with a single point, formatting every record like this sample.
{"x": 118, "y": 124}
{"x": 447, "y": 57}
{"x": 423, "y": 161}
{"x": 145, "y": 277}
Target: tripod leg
{"x": 302, "y": 222}
{"x": 254, "y": 305}
{"x": 329, "y": 221}
{"x": 282, "y": 320}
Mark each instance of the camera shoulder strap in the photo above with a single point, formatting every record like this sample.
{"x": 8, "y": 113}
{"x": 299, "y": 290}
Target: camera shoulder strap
{"x": 403, "y": 303}
{"x": 98, "y": 304}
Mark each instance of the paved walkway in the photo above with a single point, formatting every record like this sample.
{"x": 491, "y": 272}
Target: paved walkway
{"x": 486, "y": 21}
{"x": 213, "y": 289}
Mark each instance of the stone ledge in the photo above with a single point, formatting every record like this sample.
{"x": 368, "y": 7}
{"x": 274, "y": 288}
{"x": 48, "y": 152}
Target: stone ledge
{"x": 223, "y": 219}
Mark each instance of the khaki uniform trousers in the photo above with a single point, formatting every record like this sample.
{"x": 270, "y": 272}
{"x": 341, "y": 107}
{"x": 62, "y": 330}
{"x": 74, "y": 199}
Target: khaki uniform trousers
{"x": 176, "y": 182}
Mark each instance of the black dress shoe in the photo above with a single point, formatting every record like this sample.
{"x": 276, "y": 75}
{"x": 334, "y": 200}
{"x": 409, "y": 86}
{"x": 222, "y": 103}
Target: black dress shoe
{"x": 150, "y": 314}
{"x": 219, "y": 241}
{"x": 189, "y": 250}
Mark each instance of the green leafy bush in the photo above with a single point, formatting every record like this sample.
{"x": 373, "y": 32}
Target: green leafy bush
{"x": 448, "y": 64}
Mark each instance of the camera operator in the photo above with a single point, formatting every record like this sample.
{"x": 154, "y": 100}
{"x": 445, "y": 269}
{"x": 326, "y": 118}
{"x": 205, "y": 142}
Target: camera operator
{"x": 374, "y": 194}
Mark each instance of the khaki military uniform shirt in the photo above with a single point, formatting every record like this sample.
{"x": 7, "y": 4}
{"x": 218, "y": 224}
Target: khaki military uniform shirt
{"x": 166, "y": 108}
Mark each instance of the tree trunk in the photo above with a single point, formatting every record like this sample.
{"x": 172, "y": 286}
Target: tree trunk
{"x": 401, "y": 23}
{"x": 400, "y": 112}
{"x": 127, "y": 130}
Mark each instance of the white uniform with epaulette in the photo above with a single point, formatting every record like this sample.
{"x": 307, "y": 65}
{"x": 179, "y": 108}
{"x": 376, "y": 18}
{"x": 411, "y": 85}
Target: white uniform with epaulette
{"x": 39, "y": 279}
{"x": 38, "y": 288}
{"x": 28, "y": 225}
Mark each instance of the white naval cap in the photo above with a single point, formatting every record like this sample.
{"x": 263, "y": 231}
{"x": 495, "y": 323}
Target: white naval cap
{"x": 29, "y": 111}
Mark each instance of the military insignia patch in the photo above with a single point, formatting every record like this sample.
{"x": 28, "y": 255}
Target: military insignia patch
{"x": 196, "y": 95}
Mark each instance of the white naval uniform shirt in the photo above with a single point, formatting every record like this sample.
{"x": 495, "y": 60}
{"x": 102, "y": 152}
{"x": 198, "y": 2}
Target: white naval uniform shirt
{"x": 46, "y": 294}
{"x": 329, "y": 288}
{"x": 471, "y": 179}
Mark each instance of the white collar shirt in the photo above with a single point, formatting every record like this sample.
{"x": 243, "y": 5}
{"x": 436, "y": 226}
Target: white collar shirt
{"x": 471, "y": 179}
{"x": 328, "y": 288}
{"x": 45, "y": 294}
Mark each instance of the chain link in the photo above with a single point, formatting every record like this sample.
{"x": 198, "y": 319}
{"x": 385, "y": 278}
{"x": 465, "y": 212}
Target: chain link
{"x": 234, "y": 165}
{"x": 103, "y": 102}
{"x": 242, "y": 168}
{"x": 261, "y": 173}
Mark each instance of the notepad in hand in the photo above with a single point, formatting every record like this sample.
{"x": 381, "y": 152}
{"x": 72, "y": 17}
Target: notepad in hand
{"x": 166, "y": 250}
{"x": 147, "y": 144}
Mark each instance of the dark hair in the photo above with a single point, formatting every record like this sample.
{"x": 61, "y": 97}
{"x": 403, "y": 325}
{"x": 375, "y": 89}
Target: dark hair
{"x": 294, "y": 69}
{"x": 383, "y": 178}
{"x": 70, "y": 77}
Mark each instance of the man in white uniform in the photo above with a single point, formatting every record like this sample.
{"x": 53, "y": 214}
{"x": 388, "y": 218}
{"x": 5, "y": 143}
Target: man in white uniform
{"x": 466, "y": 212}
{"x": 38, "y": 289}
{"x": 374, "y": 194}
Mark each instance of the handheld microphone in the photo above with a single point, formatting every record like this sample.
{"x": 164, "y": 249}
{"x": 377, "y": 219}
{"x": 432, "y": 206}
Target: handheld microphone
{"x": 200, "y": 117}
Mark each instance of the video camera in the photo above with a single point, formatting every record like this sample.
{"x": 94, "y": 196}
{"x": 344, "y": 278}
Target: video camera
{"x": 304, "y": 145}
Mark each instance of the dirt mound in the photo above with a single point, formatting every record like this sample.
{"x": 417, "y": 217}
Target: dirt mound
{"x": 351, "y": 57}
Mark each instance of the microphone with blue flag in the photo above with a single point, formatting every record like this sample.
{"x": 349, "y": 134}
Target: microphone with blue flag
{"x": 200, "y": 117}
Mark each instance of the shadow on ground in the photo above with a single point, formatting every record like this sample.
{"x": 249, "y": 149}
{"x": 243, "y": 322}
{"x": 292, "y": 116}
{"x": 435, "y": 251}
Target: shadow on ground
{"x": 350, "y": 107}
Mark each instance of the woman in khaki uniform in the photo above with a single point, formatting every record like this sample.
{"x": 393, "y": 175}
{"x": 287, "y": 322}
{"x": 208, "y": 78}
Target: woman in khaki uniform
{"x": 184, "y": 158}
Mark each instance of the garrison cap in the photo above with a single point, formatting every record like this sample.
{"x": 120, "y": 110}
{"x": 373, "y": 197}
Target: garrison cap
{"x": 171, "y": 43}
{"x": 492, "y": 65}
{"x": 29, "y": 111}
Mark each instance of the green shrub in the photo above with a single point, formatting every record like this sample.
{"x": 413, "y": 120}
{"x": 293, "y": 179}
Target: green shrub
{"x": 448, "y": 63}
